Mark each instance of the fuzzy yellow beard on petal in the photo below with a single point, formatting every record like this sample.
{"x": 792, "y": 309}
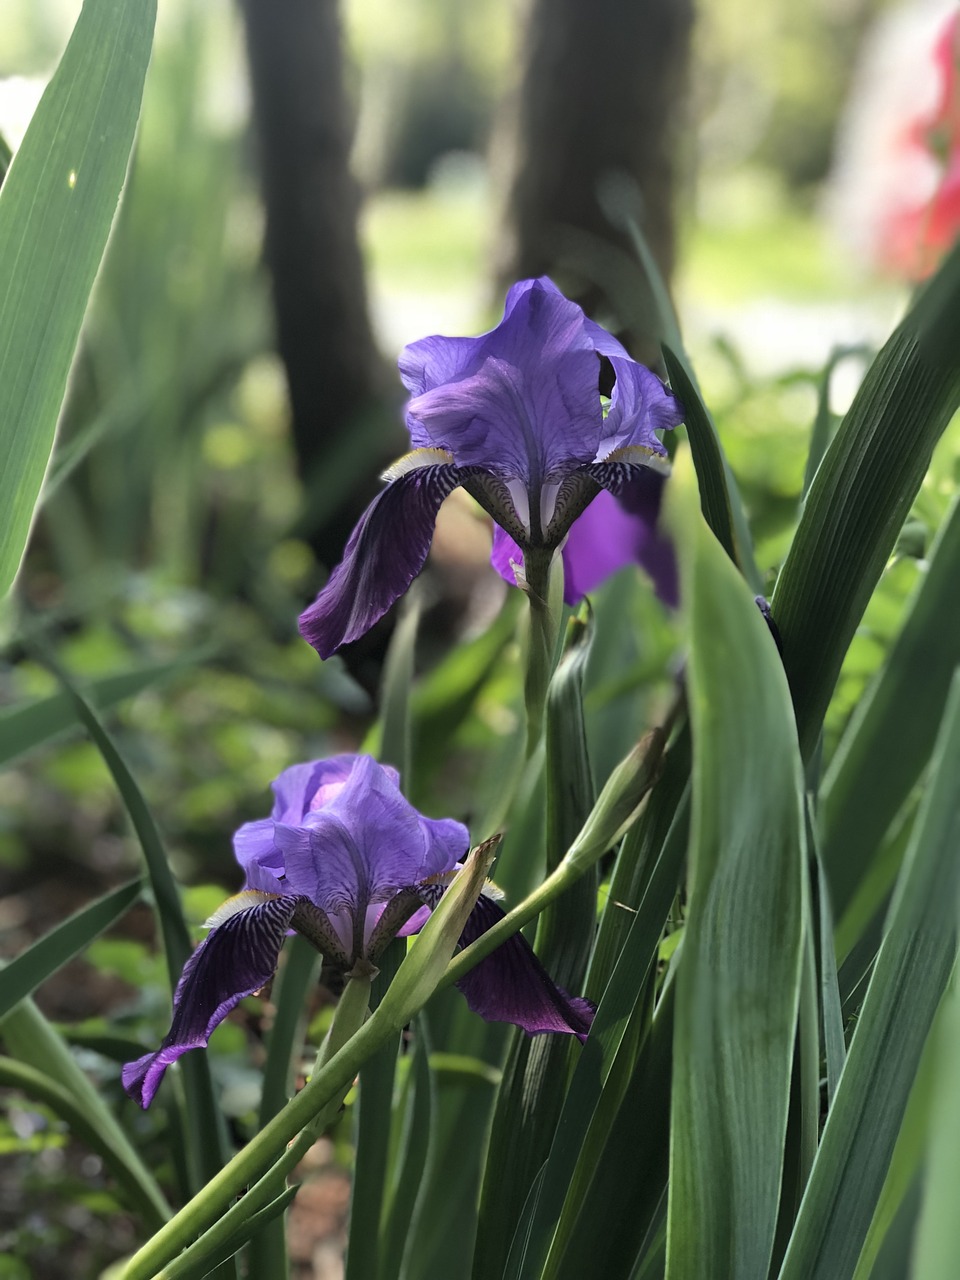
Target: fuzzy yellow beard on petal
{"x": 239, "y": 902}
{"x": 445, "y": 878}
{"x": 638, "y": 453}
{"x": 415, "y": 460}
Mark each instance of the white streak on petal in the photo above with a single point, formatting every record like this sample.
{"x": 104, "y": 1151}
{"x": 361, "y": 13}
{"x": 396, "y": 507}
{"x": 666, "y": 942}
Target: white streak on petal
{"x": 521, "y": 501}
{"x": 548, "y": 503}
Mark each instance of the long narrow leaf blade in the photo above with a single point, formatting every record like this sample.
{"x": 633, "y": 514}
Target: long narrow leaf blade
{"x": 27, "y": 725}
{"x": 911, "y": 973}
{"x": 56, "y": 209}
{"x": 739, "y": 971}
{"x": 891, "y": 735}
{"x": 206, "y": 1132}
{"x": 45, "y": 956}
{"x": 862, "y": 492}
{"x": 134, "y": 1179}
{"x": 35, "y": 1044}
{"x": 938, "y": 1235}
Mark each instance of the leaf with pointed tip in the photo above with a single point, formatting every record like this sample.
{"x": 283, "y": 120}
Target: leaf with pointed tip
{"x": 862, "y": 493}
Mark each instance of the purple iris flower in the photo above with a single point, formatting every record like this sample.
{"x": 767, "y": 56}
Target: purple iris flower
{"x": 516, "y": 417}
{"x": 346, "y": 861}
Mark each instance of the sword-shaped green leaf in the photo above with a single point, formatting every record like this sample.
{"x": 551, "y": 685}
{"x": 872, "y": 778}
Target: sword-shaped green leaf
{"x": 862, "y": 492}
{"x": 738, "y": 980}
{"x": 909, "y": 978}
{"x": 56, "y": 209}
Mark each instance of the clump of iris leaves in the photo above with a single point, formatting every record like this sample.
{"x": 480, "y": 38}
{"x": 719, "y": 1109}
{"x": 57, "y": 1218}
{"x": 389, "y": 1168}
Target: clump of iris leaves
{"x": 766, "y": 918}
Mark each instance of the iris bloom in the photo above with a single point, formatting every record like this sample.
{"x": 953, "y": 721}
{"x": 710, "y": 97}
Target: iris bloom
{"x": 346, "y": 861}
{"x": 516, "y": 417}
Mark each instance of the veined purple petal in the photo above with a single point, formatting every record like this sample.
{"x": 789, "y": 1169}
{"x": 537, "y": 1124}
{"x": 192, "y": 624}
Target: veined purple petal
{"x": 594, "y": 336}
{"x": 639, "y": 491}
{"x": 235, "y": 959}
{"x": 385, "y": 553}
{"x": 640, "y": 405}
{"x": 365, "y": 846}
{"x": 430, "y": 361}
{"x": 304, "y": 787}
{"x": 528, "y": 421}
{"x": 521, "y": 400}
{"x": 427, "y": 363}
{"x": 256, "y": 851}
{"x": 511, "y": 985}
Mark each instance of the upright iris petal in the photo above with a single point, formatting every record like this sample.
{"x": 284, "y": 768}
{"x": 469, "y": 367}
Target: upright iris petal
{"x": 516, "y": 417}
{"x": 346, "y": 861}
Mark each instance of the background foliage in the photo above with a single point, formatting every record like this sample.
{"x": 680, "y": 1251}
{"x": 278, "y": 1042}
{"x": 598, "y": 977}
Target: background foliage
{"x": 168, "y": 563}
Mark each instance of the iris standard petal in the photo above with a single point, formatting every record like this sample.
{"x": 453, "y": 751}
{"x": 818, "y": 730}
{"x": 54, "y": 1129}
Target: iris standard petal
{"x": 639, "y": 491}
{"x": 526, "y": 403}
{"x": 305, "y": 787}
{"x": 367, "y": 844}
{"x": 385, "y": 553}
{"x": 528, "y": 422}
{"x": 426, "y": 363}
{"x": 255, "y": 847}
{"x": 237, "y": 958}
{"x": 592, "y": 336}
{"x": 640, "y": 406}
{"x": 295, "y": 788}
{"x": 511, "y": 985}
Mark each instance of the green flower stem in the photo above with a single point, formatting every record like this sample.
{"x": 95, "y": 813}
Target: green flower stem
{"x": 544, "y": 588}
{"x": 416, "y": 981}
{"x": 260, "y": 1153}
{"x": 350, "y": 1014}
{"x": 614, "y": 812}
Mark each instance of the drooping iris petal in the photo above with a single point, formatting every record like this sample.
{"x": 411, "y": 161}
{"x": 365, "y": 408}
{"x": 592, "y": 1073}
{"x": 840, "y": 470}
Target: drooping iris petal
{"x": 511, "y": 985}
{"x": 639, "y": 490}
{"x": 603, "y": 539}
{"x": 237, "y": 958}
{"x": 385, "y": 553}
{"x": 640, "y": 406}
{"x": 504, "y": 555}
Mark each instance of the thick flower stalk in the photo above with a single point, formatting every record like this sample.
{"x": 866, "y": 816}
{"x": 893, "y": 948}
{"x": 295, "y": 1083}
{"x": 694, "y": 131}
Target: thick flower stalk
{"x": 516, "y": 417}
{"x": 346, "y": 861}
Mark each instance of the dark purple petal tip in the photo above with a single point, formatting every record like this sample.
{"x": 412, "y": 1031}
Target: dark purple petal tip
{"x": 236, "y": 958}
{"x": 511, "y": 985}
{"x": 385, "y": 553}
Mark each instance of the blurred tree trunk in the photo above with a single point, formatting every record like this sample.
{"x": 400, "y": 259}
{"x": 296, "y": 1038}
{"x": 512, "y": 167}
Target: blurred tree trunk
{"x": 336, "y": 381}
{"x": 597, "y": 117}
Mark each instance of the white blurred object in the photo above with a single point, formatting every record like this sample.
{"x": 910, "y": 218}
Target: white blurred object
{"x": 886, "y": 174}
{"x": 19, "y": 96}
